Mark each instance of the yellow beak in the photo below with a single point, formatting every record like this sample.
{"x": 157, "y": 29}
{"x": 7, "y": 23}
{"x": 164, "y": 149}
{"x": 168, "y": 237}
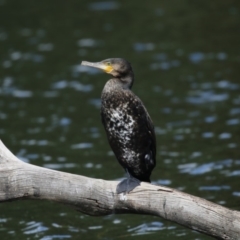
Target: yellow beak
{"x": 100, "y": 65}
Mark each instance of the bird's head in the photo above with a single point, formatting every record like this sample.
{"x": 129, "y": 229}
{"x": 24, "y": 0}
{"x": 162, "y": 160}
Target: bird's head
{"x": 117, "y": 67}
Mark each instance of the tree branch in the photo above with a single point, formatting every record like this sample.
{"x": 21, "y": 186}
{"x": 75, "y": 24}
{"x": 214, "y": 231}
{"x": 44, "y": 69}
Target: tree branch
{"x": 19, "y": 180}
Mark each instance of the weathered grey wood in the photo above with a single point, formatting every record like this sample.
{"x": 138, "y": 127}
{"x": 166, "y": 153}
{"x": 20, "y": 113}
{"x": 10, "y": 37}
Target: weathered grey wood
{"x": 19, "y": 180}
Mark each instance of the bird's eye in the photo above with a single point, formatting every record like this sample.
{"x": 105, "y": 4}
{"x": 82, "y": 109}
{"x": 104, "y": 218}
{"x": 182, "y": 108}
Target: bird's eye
{"x": 108, "y": 64}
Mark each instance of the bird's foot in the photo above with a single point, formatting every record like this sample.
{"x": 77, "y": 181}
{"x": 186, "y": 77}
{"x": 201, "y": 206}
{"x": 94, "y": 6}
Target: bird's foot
{"x": 127, "y": 185}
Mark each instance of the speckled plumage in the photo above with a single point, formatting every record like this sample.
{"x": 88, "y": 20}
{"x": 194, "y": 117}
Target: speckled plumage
{"x": 129, "y": 130}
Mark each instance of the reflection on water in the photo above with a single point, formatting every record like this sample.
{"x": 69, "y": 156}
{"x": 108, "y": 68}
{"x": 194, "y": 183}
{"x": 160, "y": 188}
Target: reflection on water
{"x": 72, "y": 84}
{"x": 34, "y": 227}
{"x": 146, "y": 228}
{"x": 198, "y": 57}
{"x": 82, "y": 145}
{"x": 195, "y": 169}
{"x": 187, "y": 74}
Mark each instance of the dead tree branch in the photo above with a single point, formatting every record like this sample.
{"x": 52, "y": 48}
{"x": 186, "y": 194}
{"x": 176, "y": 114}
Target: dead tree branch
{"x": 19, "y": 180}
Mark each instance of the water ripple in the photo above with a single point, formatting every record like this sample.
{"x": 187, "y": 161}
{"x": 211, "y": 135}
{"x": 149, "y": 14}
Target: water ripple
{"x": 140, "y": 47}
{"x": 7, "y": 88}
{"x": 234, "y": 173}
{"x": 33, "y": 142}
{"x": 22, "y": 93}
{"x": 34, "y": 227}
{"x": 186, "y": 122}
{"x": 207, "y": 96}
{"x": 207, "y": 134}
{"x": 225, "y": 84}
{"x": 50, "y": 94}
{"x": 165, "y": 182}
{"x": 59, "y": 165}
{"x": 3, "y": 220}
{"x": 87, "y": 42}
{"x": 165, "y": 65}
{"x": 237, "y": 194}
{"x": 95, "y": 102}
{"x": 146, "y": 228}
{"x": 196, "y": 57}
{"x": 198, "y": 169}
{"x": 51, "y": 237}
{"x": 45, "y": 47}
{"x": 233, "y": 121}
{"x": 85, "y": 69}
{"x": 234, "y": 111}
{"x": 72, "y": 84}
{"x": 15, "y": 56}
{"x": 225, "y": 135}
{"x": 95, "y": 227}
{"x": 65, "y": 121}
{"x": 214, "y": 188}
{"x": 82, "y": 145}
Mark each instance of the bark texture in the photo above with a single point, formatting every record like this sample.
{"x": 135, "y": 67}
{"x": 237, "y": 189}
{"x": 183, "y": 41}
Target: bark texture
{"x": 19, "y": 180}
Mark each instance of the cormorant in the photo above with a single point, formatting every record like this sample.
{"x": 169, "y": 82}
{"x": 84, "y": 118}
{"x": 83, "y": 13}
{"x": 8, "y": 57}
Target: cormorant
{"x": 128, "y": 126}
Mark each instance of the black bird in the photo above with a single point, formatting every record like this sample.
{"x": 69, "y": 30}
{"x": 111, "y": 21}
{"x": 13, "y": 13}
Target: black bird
{"x": 129, "y": 128}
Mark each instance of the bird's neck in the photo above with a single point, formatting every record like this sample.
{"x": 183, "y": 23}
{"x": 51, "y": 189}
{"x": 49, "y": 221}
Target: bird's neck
{"x": 115, "y": 85}
{"x": 127, "y": 80}
{"x": 119, "y": 83}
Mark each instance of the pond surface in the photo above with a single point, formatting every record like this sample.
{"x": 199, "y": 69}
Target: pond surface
{"x": 186, "y": 60}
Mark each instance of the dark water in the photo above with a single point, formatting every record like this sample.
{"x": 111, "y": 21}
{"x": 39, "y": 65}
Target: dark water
{"x": 186, "y": 59}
